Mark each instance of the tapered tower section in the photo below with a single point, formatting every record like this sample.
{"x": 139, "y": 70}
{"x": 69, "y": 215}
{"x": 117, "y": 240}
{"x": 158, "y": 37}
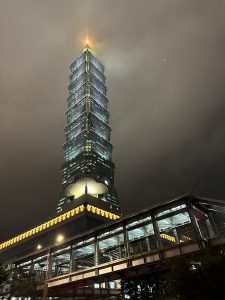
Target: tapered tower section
{"x": 88, "y": 166}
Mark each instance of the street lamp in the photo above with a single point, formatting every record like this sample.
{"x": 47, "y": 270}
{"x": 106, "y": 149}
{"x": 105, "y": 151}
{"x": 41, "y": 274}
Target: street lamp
{"x": 59, "y": 239}
{"x": 39, "y": 246}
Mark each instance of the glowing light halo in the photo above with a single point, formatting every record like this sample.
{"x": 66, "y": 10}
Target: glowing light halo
{"x": 60, "y": 238}
{"x": 89, "y": 43}
{"x": 86, "y": 185}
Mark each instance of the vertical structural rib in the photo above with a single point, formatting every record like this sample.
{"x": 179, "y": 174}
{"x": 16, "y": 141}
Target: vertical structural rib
{"x": 87, "y": 149}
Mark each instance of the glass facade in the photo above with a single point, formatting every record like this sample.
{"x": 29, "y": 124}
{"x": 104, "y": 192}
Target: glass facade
{"x": 111, "y": 246}
{"x": 141, "y": 236}
{"x": 177, "y": 225}
{"x": 175, "y": 228}
{"x": 87, "y": 149}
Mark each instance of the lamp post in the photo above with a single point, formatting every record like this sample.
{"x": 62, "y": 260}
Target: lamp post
{"x": 59, "y": 239}
{"x": 45, "y": 290}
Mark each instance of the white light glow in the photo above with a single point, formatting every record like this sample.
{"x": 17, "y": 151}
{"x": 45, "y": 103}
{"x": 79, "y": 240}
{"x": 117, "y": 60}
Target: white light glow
{"x": 39, "y": 246}
{"x": 86, "y": 185}
{"x": 59, "y": 238}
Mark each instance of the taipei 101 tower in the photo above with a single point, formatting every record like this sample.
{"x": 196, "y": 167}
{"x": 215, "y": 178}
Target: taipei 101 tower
{"x": 88, "y": 167}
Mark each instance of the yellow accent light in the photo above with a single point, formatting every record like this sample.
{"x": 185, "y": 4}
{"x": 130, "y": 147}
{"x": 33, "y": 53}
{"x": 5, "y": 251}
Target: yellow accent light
{"x": 172, "y": 238}
{"x": 60, "y": 218}
{"x": 168, "y": 237}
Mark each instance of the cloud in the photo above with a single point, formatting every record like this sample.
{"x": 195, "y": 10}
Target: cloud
{"x": 165, "y": 73}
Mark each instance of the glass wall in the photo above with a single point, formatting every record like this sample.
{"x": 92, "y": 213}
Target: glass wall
{"x": 83, "y": 255}
{"x": 26, "y": 267}
{"x": 217, "y": 216}
{"x": 175, "y": 226}
{"x": 60, "y": 262}
{"x": 166, "y": 226}
{"x": 210, "y": 218}
{"x": 111, "y": 245}
{"x": 141, "y": 236}
{"x": 40, "y": 267}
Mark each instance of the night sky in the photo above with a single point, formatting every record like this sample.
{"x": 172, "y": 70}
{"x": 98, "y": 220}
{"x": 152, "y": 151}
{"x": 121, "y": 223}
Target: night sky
{"x": 165, "y": 68}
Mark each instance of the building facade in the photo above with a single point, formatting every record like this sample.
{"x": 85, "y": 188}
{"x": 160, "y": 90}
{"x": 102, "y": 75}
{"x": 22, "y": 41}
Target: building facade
{"x": 127, "y": 246}
{"x": 88, "y": 166}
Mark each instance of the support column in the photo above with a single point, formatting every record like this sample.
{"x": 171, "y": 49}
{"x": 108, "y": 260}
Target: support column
{"x": 147, "y": 239}
{"x": 96, "y": 254}
{"x": 71, "y": 263}
{"x": 49, "y": 272}
{"x": 119, "y": 247}
{"x": 126, "y": 241}
{"x": 48, "y": 266}
{"x": 157, "y": 233}
{"x": 158, "y": 238}
{"x": 32, "y": 266}
{"x": 194, "y": 222}
{"x": 213, "y": 223}
{"x": 210, "y": 228}
{"x": 176, "y": 235}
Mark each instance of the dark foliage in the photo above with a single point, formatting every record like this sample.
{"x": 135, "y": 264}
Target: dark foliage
{"x": 194, "y": 277}
{"x": 3, "y": 274}
{"x": 23, "y": 284}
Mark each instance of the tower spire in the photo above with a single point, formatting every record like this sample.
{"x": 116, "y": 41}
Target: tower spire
{"x": 88, "y": 148}
{"x": 87, "y": 45}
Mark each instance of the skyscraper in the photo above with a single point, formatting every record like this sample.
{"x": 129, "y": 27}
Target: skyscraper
{"x": 88, "y": 166}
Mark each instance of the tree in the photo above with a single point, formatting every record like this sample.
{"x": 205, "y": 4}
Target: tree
{"x": 148, "y": 286}
{"x": 3, "y": 274}
{"x": 199, "y": 277}
{"x": 3, "y": 279}
{"x": 194, "y": 277}
{"x": 23, "y": 284}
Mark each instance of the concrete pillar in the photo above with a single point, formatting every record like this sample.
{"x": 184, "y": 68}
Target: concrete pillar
{"x": 47, "y": 274}
{"x": 157, "y": 233}
{"x": 213, "y": 223}
{"x": 147, "y": 240}
{"x": 71, "y": 268}
{"x": 211, "y": 233}
{"x": 96, "y": 254}
{"x": 32, "y": 266}
{"x": 176, "y": 235}
{"x": 194, "y": 222}
{"x": 49, "y": 265}
{"x": 126, "y": 241}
